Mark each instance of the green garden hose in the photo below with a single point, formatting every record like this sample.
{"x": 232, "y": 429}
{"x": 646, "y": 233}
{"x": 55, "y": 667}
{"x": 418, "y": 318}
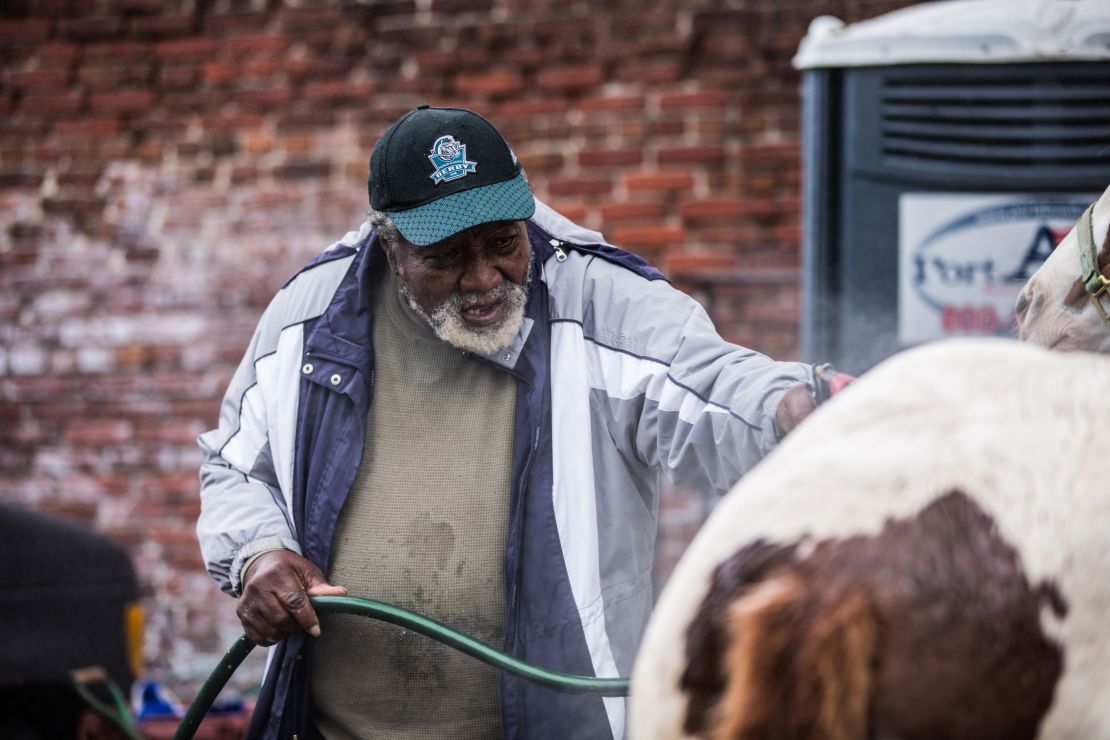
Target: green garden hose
{"x": 417, "y": 623}
{"x": 117, "y": 714}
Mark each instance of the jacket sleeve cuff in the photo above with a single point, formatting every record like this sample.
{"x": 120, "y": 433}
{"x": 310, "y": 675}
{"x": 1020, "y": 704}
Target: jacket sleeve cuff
{"x": 246, "y": 555}
{"x": 771, "y": 407}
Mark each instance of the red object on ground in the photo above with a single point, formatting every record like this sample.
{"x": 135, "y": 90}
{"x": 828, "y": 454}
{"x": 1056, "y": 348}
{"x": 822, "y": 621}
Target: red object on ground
{"x": 215, "y": 727}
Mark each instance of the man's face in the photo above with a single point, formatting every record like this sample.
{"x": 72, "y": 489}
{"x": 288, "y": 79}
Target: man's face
{"x": 471, "y": 287}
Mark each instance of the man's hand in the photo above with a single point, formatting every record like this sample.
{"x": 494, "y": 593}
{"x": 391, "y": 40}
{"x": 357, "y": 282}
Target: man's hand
{"x": 275, "y": 603}
{"x": 796, "y": 404}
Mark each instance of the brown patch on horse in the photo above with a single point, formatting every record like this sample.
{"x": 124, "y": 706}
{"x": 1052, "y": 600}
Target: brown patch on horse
{"x": 823, "y": 676}
{"x": 929, "y": 629}
{"x": 706, "y": 640}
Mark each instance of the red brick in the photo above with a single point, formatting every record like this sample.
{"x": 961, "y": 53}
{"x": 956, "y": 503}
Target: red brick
{"x": 490, "y": 83}
{"x": 770, "y": 153}
{"x": 542, "y": 162}
{"x": 179, "y": 77}
{"x": 19, "y": 180}
{"x": 574, "y": 211}
{"x": 712, "y": 127}
{"x": 531, "y": 107}
{"x": 194, "y": 48}
{"x": 161, "y": 25}
{"x": 612, "y": 103}
{"x": 630, "y": 211}
{"x": 243, "y": 175}
{"x": 259, "y": 69}
{"x": 56, "y": 104}
{"x": 24, "y": 29}
{"x": 788, "y": 235}
{"x": 239, "y": 123}
{"x": 413, "y": 89}
{"x": 451, "y": 7}
{"x": 647, "y": 236}
{"x": 303, "y": 170}
{"x": 238, "y": 22}
{"x": 558, "y": 132}
{"x": 54, "y": 55}
{"x": 174, "y": 536}
{"x": 298, "y": 20}
{"x": 79, "y": 178}
{"x": 338, "y": 90}
{"x": 609, "y": 157}
{"x": 19, "y": 126}
{"x": 39, "y": 79}
{"x": 791, "y": 206}
{"x": 297, "y": 143}
{"x": 763, "y": 208}
{"x": 265, "y": 99}
{"x": 102, "y": 77}
{"x": 137, "y": 6}
{"x": 703, "y": 154}
{"x": 170, "y": 431}
{"x": 570, "y": 78}
{"x": 122, "y": 101}
{"x": 713, "y": 208}
{"x": 659, "y": 181}
{"x": 257, "y": 42}
{"x": 658, "y": 71}
{"x": 756, "y": 312}
{"x": 219, "y": 73}
{"x": 684, "y": 264}
{"x": 97, "y": 431}
{"x": 306, "y": 120}
{"x": 699, "y": 99}
{"x": 79, "y": 511}
{"x": 114, "y": 52}
{"x": 92, "y": 27}
{"x": 579, "y": 186}
{"x": 434, "y": 61}
{"x": 667, "y": 127}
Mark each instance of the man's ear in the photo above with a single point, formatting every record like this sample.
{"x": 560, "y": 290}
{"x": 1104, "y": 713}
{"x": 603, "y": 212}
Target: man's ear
{"x": 797, "y": 665}
{"x": 390, "y": 251}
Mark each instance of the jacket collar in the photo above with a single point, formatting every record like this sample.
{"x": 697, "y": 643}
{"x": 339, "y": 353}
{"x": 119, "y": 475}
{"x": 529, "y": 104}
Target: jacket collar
{"x": 343, "y": 333}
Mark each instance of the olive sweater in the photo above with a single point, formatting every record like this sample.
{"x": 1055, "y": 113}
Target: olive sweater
{"x": 424, "y": 527}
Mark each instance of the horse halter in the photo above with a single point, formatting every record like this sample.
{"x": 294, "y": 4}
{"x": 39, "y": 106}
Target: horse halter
{"x": 1096, "y": 284}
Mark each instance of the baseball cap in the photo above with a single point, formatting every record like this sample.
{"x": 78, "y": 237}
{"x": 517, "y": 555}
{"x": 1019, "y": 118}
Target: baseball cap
{"x": 439, "y": 171}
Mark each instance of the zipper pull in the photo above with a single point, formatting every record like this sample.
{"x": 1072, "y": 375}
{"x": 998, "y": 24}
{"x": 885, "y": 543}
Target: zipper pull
{"x": 560, "y": 253}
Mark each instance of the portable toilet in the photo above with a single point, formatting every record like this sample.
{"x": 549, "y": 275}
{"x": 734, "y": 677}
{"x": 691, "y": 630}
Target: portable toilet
{"x": 947, "y": 147}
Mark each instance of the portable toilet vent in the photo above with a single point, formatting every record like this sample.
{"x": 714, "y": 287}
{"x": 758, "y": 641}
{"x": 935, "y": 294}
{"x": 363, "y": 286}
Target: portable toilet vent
{"x": 947, "y": 147}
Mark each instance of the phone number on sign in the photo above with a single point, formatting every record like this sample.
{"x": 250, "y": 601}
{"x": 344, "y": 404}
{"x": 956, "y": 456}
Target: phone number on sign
{"x": 977, "y": 319}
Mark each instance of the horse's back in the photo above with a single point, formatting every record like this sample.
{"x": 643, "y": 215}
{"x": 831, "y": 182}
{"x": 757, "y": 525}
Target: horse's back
{"x": 1017, "y": 429}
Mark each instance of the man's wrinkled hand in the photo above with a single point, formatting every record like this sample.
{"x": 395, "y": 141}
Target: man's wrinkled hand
{"x": 275, "y": 602}
{"x": 796, "y": 404}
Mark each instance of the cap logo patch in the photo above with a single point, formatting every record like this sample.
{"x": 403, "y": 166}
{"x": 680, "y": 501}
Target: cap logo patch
{"x": 448, "y": 156}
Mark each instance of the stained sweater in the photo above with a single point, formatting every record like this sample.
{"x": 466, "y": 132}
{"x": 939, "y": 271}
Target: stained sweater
{"x": 424, "y": 527}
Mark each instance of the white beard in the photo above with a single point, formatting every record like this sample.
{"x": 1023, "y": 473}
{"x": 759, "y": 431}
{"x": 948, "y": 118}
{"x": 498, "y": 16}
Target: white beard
{"x": 448, "y": 324}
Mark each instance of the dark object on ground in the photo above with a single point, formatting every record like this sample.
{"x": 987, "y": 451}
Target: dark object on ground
{"x": 67, "y": 601}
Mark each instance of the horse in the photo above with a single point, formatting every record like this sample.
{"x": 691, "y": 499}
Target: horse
{"x": 925, "y": 557}
{"x": 1066, "y": 303}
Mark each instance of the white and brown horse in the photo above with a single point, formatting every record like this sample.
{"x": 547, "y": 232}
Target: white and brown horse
{"x": 926, "y": 557}
{"x": 1066, "y": 304}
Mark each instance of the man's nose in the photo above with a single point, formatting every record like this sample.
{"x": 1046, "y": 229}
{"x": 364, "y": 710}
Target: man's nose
{"x": 480, "y": 275}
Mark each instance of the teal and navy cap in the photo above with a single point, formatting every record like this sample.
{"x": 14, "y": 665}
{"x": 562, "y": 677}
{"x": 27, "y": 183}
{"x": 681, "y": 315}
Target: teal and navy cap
{"x": 439, "y": 171}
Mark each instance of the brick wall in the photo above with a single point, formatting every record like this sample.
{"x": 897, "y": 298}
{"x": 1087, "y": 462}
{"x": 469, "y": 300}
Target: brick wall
{"x": 165, "y": 166}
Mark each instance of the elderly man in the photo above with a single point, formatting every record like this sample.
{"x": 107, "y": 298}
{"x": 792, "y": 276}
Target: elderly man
{"x": 466, "y": 408}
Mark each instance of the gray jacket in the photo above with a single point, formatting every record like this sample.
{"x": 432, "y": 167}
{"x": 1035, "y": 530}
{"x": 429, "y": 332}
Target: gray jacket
{"x": 622, "y": 380}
